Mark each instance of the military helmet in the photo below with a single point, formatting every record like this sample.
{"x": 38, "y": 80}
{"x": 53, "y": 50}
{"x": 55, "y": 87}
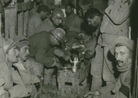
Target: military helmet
{"x": 58, "y": 13}
{"x": 59, "y": 34}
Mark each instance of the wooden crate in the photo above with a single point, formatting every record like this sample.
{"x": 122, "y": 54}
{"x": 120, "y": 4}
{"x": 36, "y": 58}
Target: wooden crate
{"x": 68, "y": 83}
{"x": 71, "y": 84}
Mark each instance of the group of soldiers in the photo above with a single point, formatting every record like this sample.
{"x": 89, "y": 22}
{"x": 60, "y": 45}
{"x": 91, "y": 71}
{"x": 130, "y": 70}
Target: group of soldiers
{"x": 29, "y": 63}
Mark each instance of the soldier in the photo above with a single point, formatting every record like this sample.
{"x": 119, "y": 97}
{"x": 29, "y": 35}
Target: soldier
{"x": 12, "y": 82}
{"x": 113, "y": 25}
{"x": 42, "y": 49}
{"x": 35, "y": 20}
{"x": 72, "y": 22}
{"x": 52, "y": 22}
{"x": 122, "y": 49}
{"x": 28, "y": 68}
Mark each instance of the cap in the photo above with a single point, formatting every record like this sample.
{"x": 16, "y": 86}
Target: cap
{"x": 8, "y": 44}
{"x": 21, "y": 41}
{"x": 124, "y": 41}
{"x": 59, "y": 34}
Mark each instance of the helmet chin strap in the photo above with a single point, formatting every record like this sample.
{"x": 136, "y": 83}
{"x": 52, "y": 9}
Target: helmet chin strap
{"x": 55, "y": 37}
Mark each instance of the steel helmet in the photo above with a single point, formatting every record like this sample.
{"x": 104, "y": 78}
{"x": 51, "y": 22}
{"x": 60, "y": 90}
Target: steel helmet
{"x": 59, "y": 34}
{"x": 58, "y": 13}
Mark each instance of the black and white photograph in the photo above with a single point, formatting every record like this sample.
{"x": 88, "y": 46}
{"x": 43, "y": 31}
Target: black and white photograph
{"x": 68, "y": 48}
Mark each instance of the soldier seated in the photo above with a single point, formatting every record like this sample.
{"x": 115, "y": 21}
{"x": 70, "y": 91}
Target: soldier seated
{"x": 12, "y": 83}
{"x": 29, "y": 70}
{"x": 122, "y": 49}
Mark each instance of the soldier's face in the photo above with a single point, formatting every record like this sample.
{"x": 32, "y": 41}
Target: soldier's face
{"x": 57, "y": 19}
{"x": 80, "y": 13}
{"x": 23, "y": 53}
{"x": 13, "y": 55}
{"x": 95, "y": 22}
{"x": 44, "y": 15}
{"x": 122, "y": 55}
{"x": 68, "y": 10}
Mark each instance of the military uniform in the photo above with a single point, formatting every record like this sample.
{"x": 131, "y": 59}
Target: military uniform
{"x": 33, "y": 23}
{"x": 34, "y": 67}
{"x": 46, "y": 25}
{"x": 73, "y": 25}
{"x": 26, "y": 75}
{"x": 121, "y": 88}
{"x": 13, "y": 82}
{"x": 114, "y": 24}
{"x": 42, "y": 52}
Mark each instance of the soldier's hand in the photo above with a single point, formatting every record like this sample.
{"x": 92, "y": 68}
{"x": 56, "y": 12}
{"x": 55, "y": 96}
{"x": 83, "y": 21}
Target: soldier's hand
{"x": 58, "y": 65}
{"x": 58, "y": 53}
{"x": 88, "y": 94}
{"x": 66, "y": 57}
{"x": 89, "y": 54}
{"x": 97, "y": 93}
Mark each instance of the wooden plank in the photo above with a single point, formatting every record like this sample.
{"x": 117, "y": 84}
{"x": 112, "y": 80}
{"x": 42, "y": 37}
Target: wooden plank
{"x": 22, "y": 6}
{"x": 0, "y": 25}
{"x": 10, "y": 19}
{"x": 20, "y": 23}
{"x": 135, "y": 78}
{"x": 26, "y": 18}
{"x": 33, "y": 10}
{"x": 1, "y": 8}
{"x": 2, "y": 20}
{"x": 27, "y": 5}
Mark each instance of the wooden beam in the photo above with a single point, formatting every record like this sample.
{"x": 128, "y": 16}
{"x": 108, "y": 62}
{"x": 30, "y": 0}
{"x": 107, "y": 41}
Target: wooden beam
{"x": 1, "y": 8}
{"x": 20, "y": 23}
{"x": 27, "y": 5}
{"x": 10, "y": 19}
{"x": 26, "y": 18}
{"x": 23, "y": 6}
{"x": 0, "y": 25}
{"x": 1, "y": 20}
{"x": 33, "y": 10}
